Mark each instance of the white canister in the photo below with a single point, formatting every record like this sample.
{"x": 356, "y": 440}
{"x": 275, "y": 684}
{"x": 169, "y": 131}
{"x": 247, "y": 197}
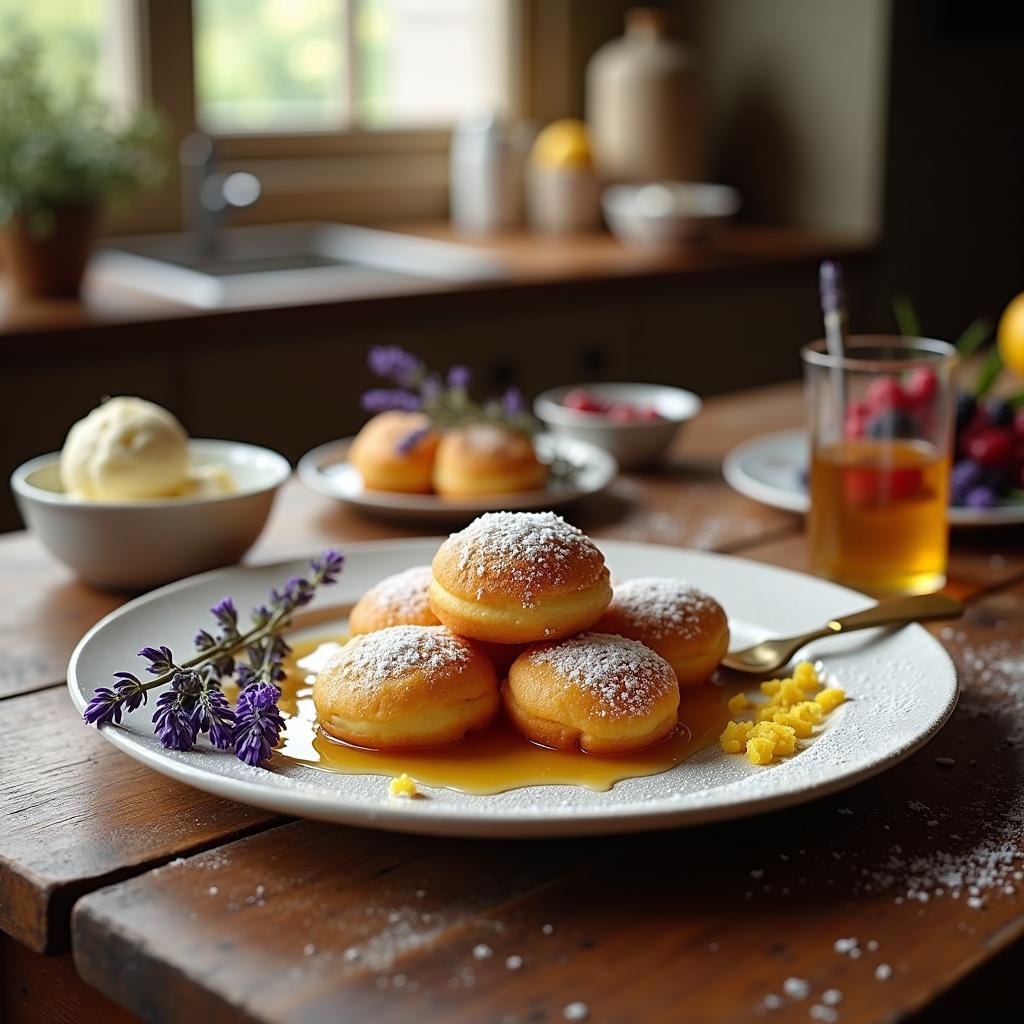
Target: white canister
{"x": 485, "y": 177}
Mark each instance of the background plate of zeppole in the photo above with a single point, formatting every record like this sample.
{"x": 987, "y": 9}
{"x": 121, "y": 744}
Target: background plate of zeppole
{"x": 578, "y": 469}
{"x": 900, "y": 685}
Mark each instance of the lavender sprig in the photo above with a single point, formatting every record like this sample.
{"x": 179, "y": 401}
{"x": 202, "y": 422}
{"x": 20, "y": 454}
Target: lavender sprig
{"x": 194, "y": 703}
{"x": 258, "y": 722}
{"x": 445, "y": 400}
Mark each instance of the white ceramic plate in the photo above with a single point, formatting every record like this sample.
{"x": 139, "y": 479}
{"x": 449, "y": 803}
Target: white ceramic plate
{"x": 769, "y": 469}
{"x": 327, "y": 470}
{"x": 902, "y": 687}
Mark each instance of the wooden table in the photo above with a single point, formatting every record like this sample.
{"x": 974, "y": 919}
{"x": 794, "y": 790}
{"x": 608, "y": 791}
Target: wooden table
{"x": 122, "y": 889}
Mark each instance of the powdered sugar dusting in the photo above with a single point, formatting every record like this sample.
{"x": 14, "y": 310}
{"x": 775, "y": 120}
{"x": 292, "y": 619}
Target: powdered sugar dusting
{"x": 369, "y": 660}
{"x": 403, "y": 597}
{"x": 661, "y": 607}
{"x": 626, "y": 677}
{"x": 522, "y": 552}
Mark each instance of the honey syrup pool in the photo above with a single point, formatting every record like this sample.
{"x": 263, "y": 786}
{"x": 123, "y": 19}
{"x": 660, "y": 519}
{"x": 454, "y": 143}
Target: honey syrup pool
{"x": 493, "y": 760}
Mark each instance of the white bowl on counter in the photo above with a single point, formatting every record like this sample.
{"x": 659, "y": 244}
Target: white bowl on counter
{"x": 664, "y": 214}
{"x": 634, "y": 443}
{"x": 135, "y": 545}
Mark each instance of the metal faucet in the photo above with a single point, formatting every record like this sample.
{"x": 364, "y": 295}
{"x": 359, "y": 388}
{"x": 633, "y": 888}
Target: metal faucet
{"x": 208, "y": 194}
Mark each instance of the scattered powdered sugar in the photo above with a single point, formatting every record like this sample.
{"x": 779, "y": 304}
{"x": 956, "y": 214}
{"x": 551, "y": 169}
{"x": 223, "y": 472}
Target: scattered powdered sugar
{"x": 661, "y": 606}
{"x": 956, "y": 864}
{"x": 369, "y": 660}
{"x": 520, "y": 553}
{"x": 626, "y": 677}
{"x": 404, "y": 595}
{"x": 796, "y": 988}
{"x": 576, "y": 1011}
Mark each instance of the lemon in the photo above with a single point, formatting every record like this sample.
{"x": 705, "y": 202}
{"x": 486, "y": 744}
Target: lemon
{"x": 562, "y": 144}
{"x": 1011, "y": 336}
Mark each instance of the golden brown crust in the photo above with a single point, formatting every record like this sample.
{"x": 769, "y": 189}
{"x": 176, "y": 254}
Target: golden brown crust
{"x": 382, "y": 460}
{"x": 406, "y": 686}
{"x": 485, "y": 458}
{"x": 686, "y": 626}
{"x": 398, "y": 600}
{"x": 603, "y": 694}
{"x": 517, "y": 577}
{"x": 501, "y": 655}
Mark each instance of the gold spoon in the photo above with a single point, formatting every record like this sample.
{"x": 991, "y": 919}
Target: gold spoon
{"x": 769, "y": 655}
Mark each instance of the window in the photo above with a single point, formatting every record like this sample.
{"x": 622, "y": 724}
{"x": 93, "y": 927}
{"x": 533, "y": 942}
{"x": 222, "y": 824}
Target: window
{"x": 340, "y": 107}
{"x": 287, "y": 66}
{"x": 71, "y": 34}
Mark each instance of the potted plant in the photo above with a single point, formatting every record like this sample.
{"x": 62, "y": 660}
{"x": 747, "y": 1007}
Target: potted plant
{"x": 60, "y": 160}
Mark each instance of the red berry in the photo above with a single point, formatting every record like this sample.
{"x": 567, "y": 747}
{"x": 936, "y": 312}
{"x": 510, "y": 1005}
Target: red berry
{"x": 622, "y": 413}
{"x": 871, "y": 485}
{"x": 992, "y": 446}
{"x": 1018, "y": 421}
{"x": 886, "y": 393}
{"x": 856, "y": 423}
{"x": 582, "y": 401}
{"x": 922, "y": 385}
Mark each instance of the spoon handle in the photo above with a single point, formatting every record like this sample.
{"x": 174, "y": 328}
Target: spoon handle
{"x": 899, "y": 609}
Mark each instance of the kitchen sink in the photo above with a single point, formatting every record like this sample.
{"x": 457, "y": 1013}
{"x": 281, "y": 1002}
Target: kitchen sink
{"x": 287, "y": 263}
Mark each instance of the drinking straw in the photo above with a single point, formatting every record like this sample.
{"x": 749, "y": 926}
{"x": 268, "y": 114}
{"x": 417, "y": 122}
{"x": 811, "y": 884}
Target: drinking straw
{"x": 830, "y": 287}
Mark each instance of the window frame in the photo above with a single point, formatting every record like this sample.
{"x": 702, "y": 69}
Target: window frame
{"x": 362, "y": 175}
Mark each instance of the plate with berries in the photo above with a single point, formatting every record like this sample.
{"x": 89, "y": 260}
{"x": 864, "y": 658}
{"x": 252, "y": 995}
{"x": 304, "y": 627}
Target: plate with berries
{"x": 986, "y": 483}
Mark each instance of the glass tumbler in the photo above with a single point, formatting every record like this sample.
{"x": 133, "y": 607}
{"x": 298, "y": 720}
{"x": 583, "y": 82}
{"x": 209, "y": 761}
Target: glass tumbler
{"x": 881, "y": 433}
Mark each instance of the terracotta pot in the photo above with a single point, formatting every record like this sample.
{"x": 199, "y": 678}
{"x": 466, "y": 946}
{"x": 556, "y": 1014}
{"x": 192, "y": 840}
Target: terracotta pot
{"x": 53, "y": 265}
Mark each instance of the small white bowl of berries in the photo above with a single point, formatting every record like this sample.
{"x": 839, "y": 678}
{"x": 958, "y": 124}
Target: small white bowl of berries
{"x": 634, "y": 422}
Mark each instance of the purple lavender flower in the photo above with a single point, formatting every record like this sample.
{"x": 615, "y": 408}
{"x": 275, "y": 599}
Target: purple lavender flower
{"x": 108, "y": 703}
{"x": 160, "y": 659}
{"x": 395, "y": 363}
{"x": 104, "y": 707}
{"x": 175, "y": 718}
{"x": 203, "y": 641}
{"x": 386, "y": 399}
{"x": 226, "y": 614}
{"x": 459, "y": 377}
{"x": 409, "y": 442}
{"x": 328, "y": 566}
{"x": 512, "y": 403}
{"x": 258, "y": 723}
{"x": 213, "y": 715}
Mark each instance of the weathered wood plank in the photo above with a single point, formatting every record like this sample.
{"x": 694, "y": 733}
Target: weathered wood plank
{"x": 38, "y": 989}
{"x": 78, "y": 814}
{"x": 45, "y": 612}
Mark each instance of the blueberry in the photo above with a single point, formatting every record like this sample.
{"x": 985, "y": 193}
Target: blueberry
{"x": 1000, "y": 412}
{"x": 965, "y": 406}
{"x": 980, "y": 497}
{"x": 891, "y": 423}
{"x": 966, "y": 475}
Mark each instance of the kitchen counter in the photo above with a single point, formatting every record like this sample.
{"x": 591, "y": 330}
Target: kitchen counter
{"x": 543, "y": 266}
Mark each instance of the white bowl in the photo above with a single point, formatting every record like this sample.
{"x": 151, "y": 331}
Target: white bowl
{"x": 634, "y": 444}
{"x": 667, "y": 213}
{"x": 133, "y": 545}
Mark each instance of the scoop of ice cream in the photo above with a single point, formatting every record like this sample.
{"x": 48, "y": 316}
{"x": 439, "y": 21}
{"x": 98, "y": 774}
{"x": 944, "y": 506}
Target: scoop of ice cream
{"x": 127, "y": 448}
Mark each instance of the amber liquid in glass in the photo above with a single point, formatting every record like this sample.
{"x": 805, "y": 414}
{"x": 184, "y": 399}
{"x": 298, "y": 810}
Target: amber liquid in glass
{"x": 878, "y": 518}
